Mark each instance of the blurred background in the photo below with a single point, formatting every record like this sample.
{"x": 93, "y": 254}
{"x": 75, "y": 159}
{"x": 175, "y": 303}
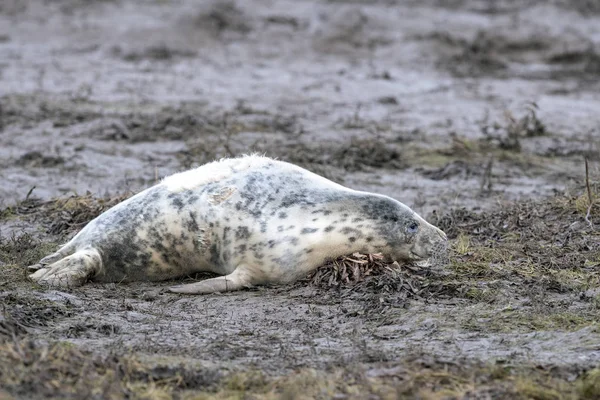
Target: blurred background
{"x": 436, "y": 103}
{"x": 477, "y": 114}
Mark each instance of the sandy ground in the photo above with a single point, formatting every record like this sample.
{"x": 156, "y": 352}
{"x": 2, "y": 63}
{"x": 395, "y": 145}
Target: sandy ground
{"x": 468, "y": 111}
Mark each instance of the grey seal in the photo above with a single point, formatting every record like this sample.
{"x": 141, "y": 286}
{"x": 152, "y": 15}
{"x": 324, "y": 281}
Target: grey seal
{"x": 252, "y": 219}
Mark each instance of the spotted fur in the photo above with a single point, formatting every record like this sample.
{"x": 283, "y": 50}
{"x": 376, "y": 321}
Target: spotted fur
{"x": 253, "y": 219}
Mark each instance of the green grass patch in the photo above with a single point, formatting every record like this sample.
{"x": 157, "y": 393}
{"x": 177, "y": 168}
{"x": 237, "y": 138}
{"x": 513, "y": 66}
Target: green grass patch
{"x": 63, "y": 370}
{"x": 16, "y": 253}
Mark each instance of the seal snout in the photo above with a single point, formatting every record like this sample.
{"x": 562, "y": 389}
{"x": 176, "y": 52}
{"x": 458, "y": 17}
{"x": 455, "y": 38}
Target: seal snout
{"x": 431, "y": 242}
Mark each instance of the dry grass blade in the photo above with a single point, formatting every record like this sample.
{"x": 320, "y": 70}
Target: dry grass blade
{"x": 589, "y": 194}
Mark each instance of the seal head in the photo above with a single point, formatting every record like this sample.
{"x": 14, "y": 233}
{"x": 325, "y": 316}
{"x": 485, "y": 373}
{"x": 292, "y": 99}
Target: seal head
{"x": 411, "y": 238}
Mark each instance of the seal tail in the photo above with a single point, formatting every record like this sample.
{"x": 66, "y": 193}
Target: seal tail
{"x": 71, "y": 271}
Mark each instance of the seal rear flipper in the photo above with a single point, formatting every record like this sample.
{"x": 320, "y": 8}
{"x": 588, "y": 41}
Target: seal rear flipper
{"x": 71, "y": 271}
{"x": 35, "y": 267}
{"x": 52, "y": 258}
{"x": 238, "y": 279}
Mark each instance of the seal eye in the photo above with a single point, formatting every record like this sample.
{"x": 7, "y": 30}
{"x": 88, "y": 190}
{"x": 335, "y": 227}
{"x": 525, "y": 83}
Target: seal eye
{"x": 412, "y": 228}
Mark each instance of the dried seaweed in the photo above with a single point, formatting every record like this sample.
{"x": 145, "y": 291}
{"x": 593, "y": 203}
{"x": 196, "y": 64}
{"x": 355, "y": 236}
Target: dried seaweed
{"x": 372, "y": 273}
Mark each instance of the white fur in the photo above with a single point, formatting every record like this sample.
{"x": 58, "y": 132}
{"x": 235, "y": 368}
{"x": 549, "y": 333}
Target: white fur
{"x": 212, "y": 172}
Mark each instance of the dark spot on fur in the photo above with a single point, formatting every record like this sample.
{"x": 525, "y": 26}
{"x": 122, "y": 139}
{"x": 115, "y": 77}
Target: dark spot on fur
{"x": 226, "y": 256}
{"x": 303, "y": 199}
{"x": 352, "y": 239}
{"x": 369, "y": 239}
{"x": 193, "y": 199}
{"x": 308, "y": 230}
{"x": 191, "y": 223}
{"x": 322, "y": 210}
{"x": 282, "y": 215}
{"x": 214, "y": 255}
{"x": 329, "y": 228}
{"x": 242, "y": 232}
{"x": 177, "y": 203}
{"x": 381, "y": 209}
{"x": 355, "y": 220}
{"x": 257, "y": 246}
{"x": 353, "y": 231}
{"x": 129, "y": 256}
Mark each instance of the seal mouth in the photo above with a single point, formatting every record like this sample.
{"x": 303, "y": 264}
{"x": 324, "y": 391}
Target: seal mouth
{"x": 419, "y": 260}
{"x": 416, "y": 256}
{"x": 425, "y": 263}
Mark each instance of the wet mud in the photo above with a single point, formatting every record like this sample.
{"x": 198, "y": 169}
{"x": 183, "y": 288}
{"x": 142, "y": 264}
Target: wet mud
{"x": 479, "y": 115}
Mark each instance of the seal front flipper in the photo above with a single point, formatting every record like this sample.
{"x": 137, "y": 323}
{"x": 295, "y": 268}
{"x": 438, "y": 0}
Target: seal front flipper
{"x": 238, "y": 279}
{"x": 71, "y": 271}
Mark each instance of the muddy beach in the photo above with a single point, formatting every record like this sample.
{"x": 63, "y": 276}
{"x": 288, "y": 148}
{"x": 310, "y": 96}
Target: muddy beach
{"x": 479, "y": 115}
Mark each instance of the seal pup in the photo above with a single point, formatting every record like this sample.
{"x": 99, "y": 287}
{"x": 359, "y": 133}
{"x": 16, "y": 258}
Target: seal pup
{"x": 252, "y": 219}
